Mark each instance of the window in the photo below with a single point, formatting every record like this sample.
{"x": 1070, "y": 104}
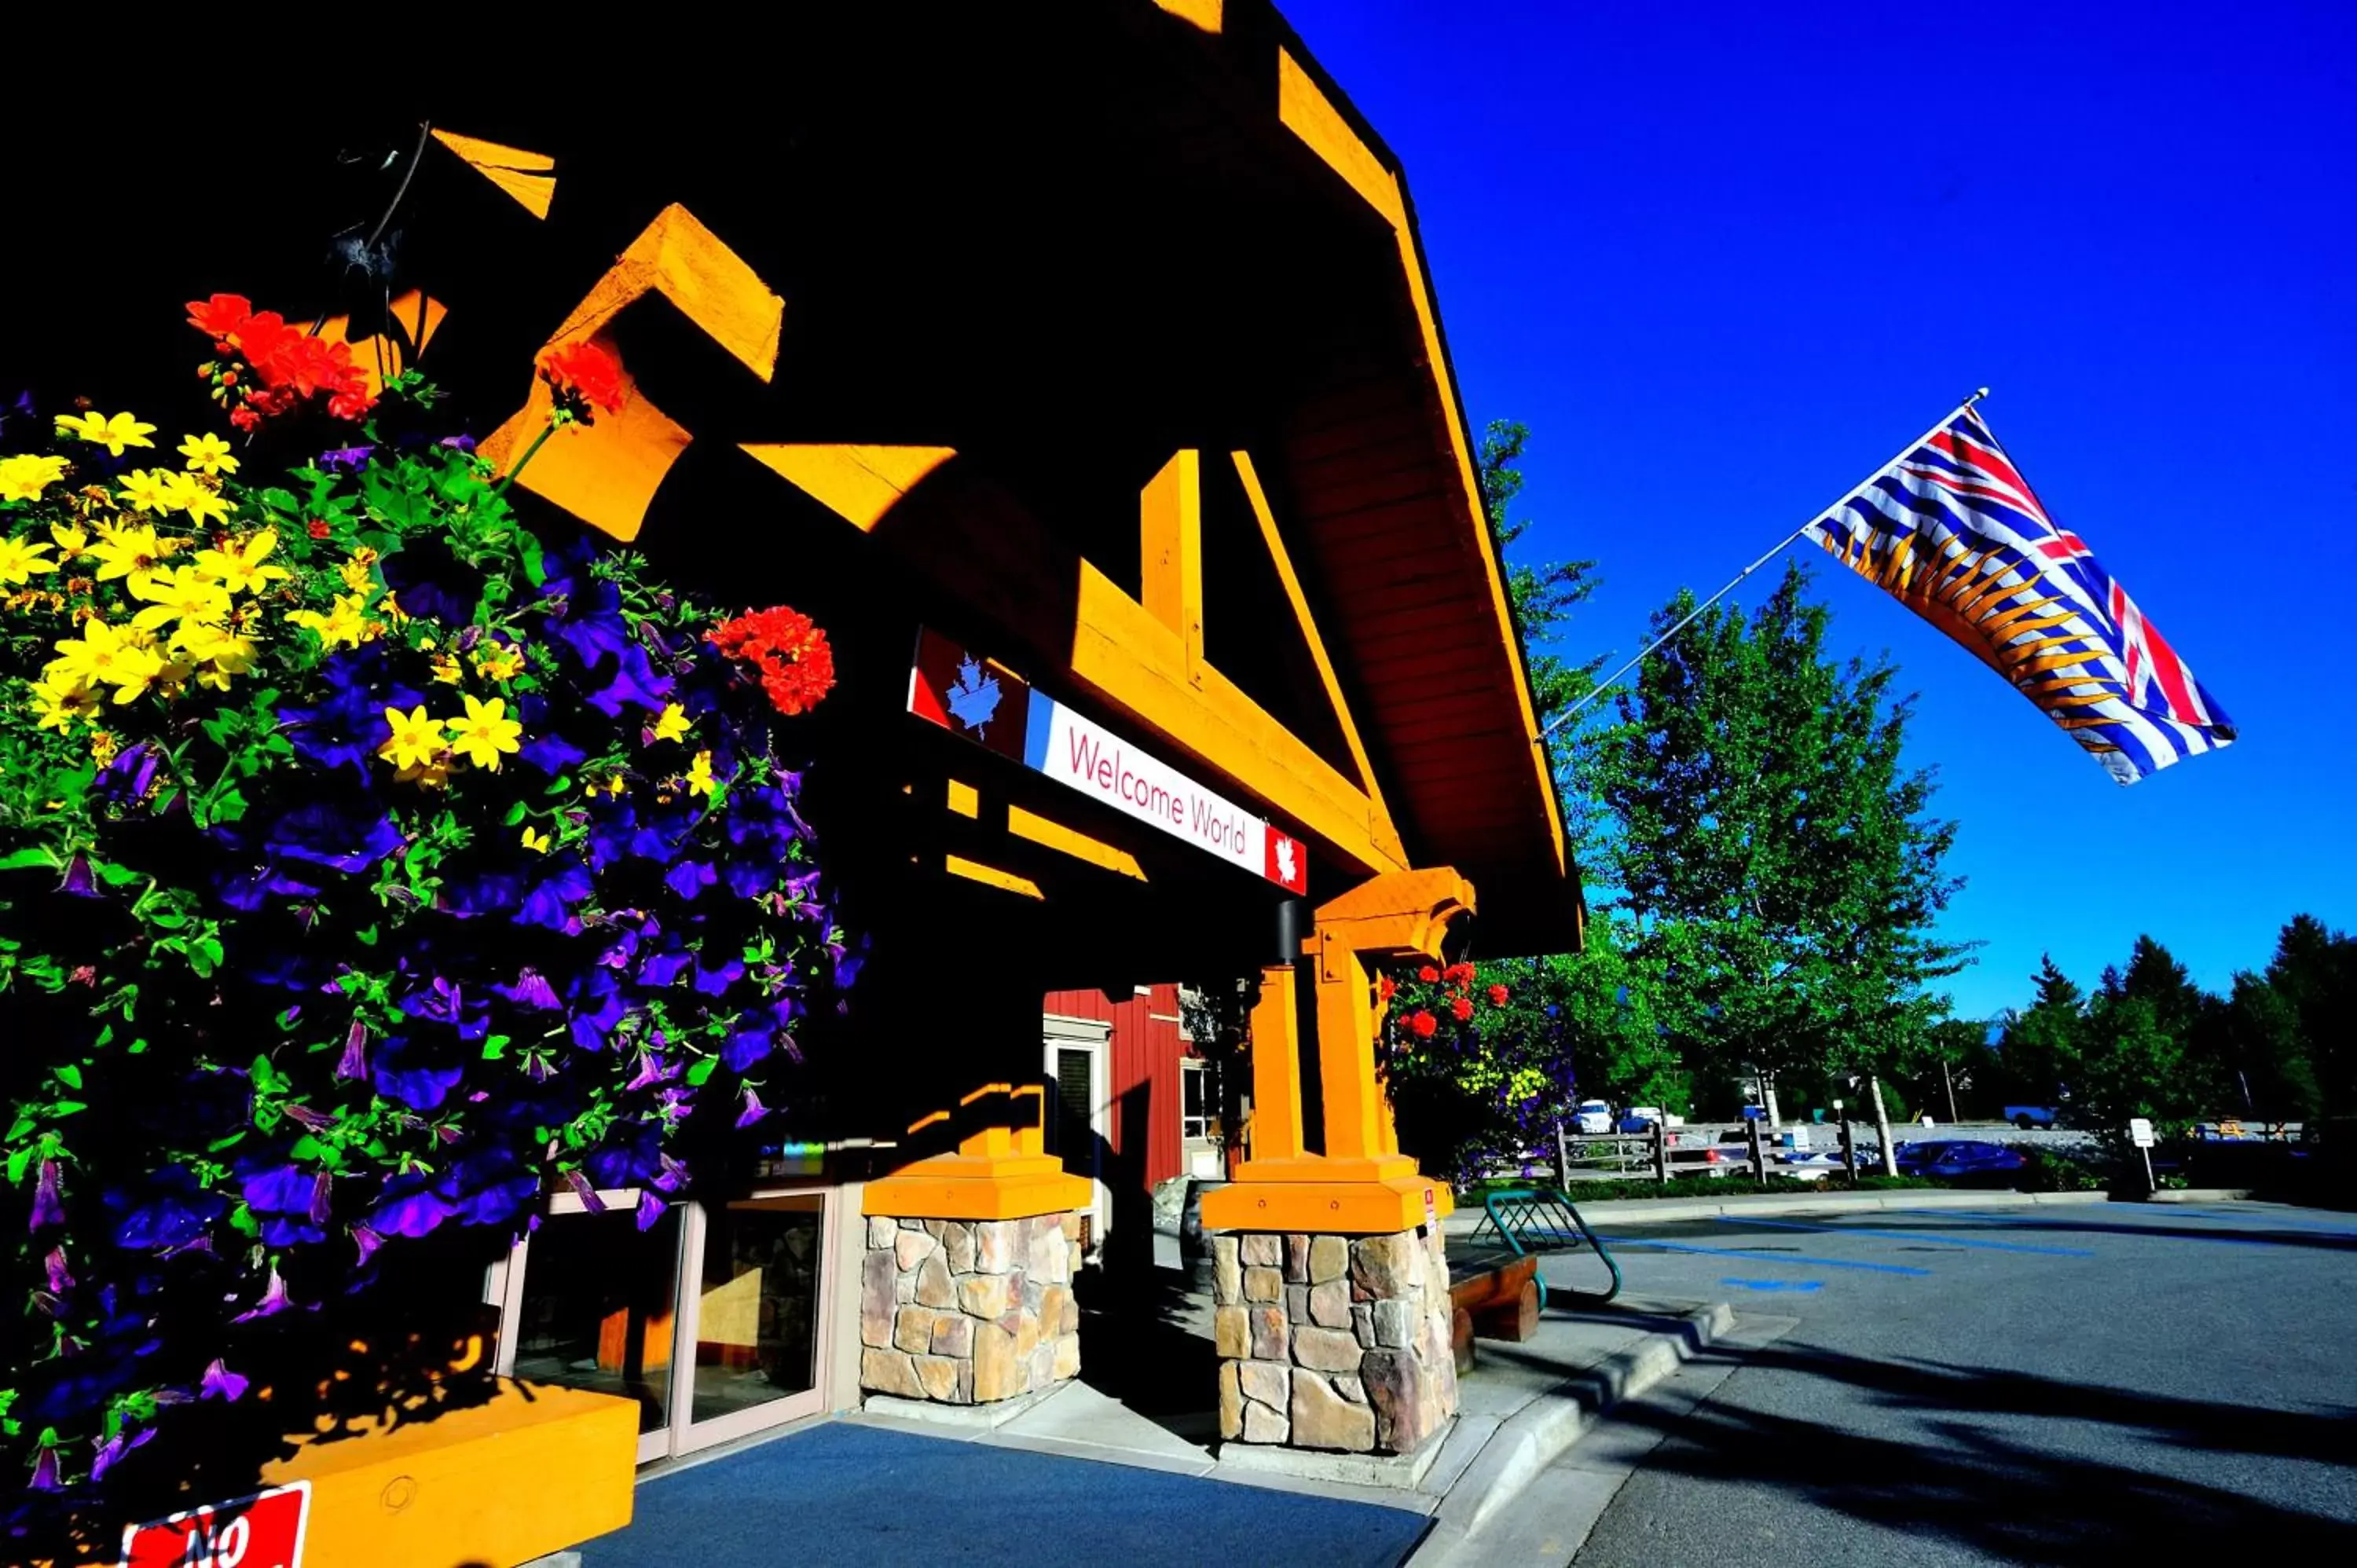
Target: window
{"x": 1194, "y": 1102}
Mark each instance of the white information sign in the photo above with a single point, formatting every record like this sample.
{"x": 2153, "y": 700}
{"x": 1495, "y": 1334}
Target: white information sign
{"x": 2140, "y": 1131}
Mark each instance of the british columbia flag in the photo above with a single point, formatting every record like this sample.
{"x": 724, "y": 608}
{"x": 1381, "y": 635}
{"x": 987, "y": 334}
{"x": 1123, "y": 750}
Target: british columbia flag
{"x": 1953, "y": 532}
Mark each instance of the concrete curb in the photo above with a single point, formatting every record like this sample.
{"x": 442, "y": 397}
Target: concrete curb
{"x": 2197, "y": 1195}
{"x": 1666, "y": 1209}
{"x": 1534, "y": 1437}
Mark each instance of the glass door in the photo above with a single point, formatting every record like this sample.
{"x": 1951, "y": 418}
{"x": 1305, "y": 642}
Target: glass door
{"x": 757, "y": 1316}
{"x": 590, "y": 1300}
{"x": 714, "y": 1319}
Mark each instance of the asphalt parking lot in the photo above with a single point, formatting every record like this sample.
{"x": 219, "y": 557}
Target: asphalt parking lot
{"x": 2093, "y": 1384}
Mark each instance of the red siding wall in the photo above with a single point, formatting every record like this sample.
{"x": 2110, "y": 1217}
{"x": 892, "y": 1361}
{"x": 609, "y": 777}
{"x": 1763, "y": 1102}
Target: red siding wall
{"x": 1146, "y": 1050}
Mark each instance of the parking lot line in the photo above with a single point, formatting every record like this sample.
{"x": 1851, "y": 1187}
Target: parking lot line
{"x": 1757, "y": 1258}
{"x": 1775, "y": 1284}
{"x": 2009, "y": 1221}
{"x": 1918, "y": 1236}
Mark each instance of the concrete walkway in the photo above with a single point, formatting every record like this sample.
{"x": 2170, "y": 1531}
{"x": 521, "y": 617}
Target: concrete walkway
{"x": 868, "y": 1488}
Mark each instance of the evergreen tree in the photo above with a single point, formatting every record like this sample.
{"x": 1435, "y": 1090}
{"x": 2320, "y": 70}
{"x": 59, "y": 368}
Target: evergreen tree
{"x": 2041, "y": 1044}
{"x": 2315, "y": 972}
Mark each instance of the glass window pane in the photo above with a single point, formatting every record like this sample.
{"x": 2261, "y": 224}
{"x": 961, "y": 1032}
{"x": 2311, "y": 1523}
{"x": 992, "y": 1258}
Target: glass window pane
{"x": 757, "y": 1326}
{"x": 598, "y": 1295}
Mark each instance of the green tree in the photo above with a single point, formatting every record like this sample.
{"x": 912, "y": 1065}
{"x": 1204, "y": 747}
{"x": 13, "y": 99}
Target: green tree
{"x": 1774, "y": 859}
{"x": 2041, "y": 1044}
{"x": 2315, "y": 972}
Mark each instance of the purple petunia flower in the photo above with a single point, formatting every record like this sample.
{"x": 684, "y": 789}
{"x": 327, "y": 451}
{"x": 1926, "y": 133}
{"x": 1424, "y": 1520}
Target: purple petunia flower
{"x": 554, "y": 899}
{"x": 80, "y": 879}
{"x": 581, "y": 1188}
{"x": 651, "y": 1209}
{"x": 61, "y": 1279}
{"x": 346, "y": 459}
{"x": 754, "y": 1110}
{"x": 354, "y": 1061}
{"x": 49, "y": 1208}
{"x": 219, "y": 1383}
{"x": 530, "y": 990}
{"x": 404, "y": 1072}
{"x": 368, "y": 1241}
{"x": 44, "y": 1470}
{"x": 274, "y": 1300}
{"x": 110, "y": 1452}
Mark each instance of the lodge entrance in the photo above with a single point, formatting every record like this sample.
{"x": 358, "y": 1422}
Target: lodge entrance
{"x": 714, "y": 1318}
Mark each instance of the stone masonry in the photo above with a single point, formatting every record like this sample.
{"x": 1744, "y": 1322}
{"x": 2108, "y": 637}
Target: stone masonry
{"x": 968, "y": 1312}
{"x": 1336, "y": 1342}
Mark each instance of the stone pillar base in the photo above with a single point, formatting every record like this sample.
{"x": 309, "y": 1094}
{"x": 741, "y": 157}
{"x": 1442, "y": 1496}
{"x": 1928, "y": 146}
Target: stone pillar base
{"x": 969, "y": 1312}
{"x": 1338, "y": 1342}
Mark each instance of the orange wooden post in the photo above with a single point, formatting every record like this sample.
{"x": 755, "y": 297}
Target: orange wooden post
{"x": 1275, "y": 1067}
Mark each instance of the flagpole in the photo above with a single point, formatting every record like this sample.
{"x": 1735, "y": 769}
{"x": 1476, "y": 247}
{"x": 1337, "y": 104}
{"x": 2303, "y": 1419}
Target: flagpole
{"x": 1780, "y": 547}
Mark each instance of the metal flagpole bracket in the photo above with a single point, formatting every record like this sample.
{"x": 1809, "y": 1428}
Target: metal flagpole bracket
{"x": 1606, "y": 684}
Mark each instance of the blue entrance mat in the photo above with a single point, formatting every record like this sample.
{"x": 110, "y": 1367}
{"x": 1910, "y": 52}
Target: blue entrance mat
{"x": 839, "y": 1494}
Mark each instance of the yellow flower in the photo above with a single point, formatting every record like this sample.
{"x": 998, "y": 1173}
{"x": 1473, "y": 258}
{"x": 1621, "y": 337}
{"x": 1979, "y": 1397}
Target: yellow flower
{"x": 355, "y": 571}
{"x": 241, "y": 570}
{"x": 63, "y": 702}
{"x": 69, "y": 539}
{"x": 102, "y": 748}
{"x": 105, "y": 654}
{"x": 672, "y": 724}
{"x": 25, "y": 477}
{"x": 188, "y": 493}
{"x": 393, "y": 610}
{"x": 148, "y": 489}
{"x": 129, "y": 550}
{"x": 208, "y": 453}
{"x": 20, "y": 559}
{"x": 343, "y": 627}
{"x": 536, "y": 840}
{"x": 416, "y": 739}
{"x": 485, "y": 732}
{"x": 113, "y": 434}
{"x": 699, "y": 774}
{"x": 183, "y": 593}
{"x": 221, "y": 652}
{"x": 446, "y": 669}
{"x": 499, "y": 661}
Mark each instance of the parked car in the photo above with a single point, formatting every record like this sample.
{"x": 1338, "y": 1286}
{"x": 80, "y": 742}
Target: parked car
{"x": 1957, "y": 1157}
{"x": 1592, "y": 1117}
{"x": 2029, "y": 1116}
{"x": 1645, "y": 1118}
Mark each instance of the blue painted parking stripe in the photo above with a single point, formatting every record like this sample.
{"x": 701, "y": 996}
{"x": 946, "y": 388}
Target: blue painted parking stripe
{"x": 1756, "y": 1258}
{"x": 1914, "y": 1236}
{"x": 1775, "y": 1284}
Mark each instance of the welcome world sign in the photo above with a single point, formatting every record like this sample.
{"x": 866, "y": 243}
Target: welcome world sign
{"x": 989, "y": 705}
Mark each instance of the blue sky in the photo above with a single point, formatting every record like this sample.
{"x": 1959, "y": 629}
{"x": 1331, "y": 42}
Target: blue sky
{"x": 1724, "y": 260}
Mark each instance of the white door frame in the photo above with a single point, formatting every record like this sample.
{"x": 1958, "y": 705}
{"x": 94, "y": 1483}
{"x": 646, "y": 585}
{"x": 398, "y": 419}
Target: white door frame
{"x": 1061, "y": 1032}
{"x": 680, "y": 1434}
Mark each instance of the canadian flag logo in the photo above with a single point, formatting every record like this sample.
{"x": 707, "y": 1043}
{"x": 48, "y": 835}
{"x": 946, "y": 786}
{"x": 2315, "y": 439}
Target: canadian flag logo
{"x": 1286, "y": 863}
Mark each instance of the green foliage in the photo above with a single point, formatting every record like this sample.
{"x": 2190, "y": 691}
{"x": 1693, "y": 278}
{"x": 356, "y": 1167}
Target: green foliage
{"x": 1777, "y": 868}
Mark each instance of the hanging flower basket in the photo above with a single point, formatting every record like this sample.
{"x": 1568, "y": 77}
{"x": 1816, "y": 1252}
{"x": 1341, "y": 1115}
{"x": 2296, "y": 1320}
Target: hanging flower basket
{"x": 366, "y": 868}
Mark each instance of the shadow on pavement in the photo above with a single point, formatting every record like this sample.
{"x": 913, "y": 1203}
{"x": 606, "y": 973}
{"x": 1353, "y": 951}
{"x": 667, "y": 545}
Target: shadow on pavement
{"x": 1995, "y": 1487}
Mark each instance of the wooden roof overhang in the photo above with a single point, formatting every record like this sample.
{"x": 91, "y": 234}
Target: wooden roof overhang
{"x": 1091, "y": 251}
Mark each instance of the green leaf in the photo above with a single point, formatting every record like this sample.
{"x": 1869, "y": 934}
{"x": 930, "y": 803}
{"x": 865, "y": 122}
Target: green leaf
{"x": 67, "y": 1107}
{"x": 698, "y": 1075}
{"x": 70, "y": 1075}
{"x": 30, "y": 856}
{"x": 495, "y": 1048}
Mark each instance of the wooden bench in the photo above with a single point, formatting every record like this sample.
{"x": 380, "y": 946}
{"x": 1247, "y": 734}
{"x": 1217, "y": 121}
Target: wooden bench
{"x": 1494, "y": 1294}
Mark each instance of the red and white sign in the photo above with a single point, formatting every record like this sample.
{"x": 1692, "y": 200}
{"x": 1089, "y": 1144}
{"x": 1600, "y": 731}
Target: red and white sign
{"x": 994, "y": 707}
{"x": 265, "y": 1531}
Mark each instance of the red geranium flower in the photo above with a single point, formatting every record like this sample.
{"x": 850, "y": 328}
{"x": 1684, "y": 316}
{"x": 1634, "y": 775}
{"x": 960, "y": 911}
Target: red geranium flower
{"x": 1457, "y": 974}
{"x": 1385, "y": 988}
{"x": 1427, "y": 974}
{"x": 584, "y": 376}
{"x": 796, "y": 664}
{"x": 1498, "y": 994}
{"x": 220, "y": 316}
{"x": 1462, "y": 1006}
{"x": 1424, "y": 1024}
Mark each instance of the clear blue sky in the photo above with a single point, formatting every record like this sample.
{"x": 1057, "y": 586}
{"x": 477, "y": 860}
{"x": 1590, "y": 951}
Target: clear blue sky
{"x": 1724, "y": 260}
